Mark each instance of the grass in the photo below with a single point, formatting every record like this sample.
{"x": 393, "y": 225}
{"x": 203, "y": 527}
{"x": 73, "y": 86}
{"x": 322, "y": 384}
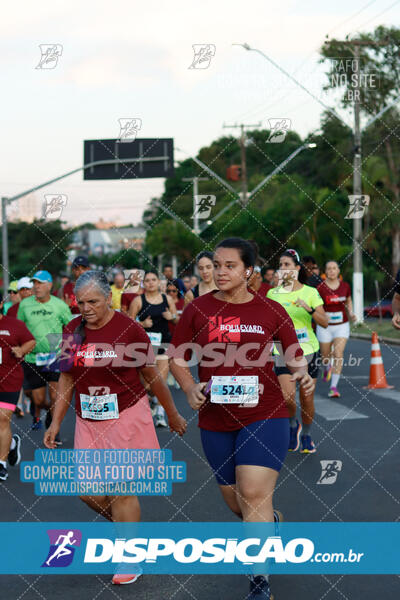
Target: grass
{"x": 384, "y": 329}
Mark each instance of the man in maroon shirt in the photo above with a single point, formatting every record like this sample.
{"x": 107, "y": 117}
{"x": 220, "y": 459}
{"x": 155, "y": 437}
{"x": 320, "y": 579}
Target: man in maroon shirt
{"x": 79, "y": 266}
{"x": 15, "y": 341}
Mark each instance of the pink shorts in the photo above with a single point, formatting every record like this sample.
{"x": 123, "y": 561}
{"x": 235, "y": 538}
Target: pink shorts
{"x": 133, "y": 429}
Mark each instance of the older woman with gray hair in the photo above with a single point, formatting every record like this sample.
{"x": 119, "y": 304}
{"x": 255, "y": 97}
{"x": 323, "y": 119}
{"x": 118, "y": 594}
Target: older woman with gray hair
{"x": 112, "y": 409}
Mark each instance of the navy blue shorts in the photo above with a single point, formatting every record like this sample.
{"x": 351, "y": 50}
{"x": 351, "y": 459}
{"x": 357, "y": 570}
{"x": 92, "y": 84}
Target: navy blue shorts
{"x": 263, "y": 443}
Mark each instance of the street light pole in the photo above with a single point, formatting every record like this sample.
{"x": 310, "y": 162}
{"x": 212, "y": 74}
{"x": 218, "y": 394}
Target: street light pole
{"x": 358, "y": 277}
{"x": 195, "y": 181}
{"x": 4, "y": 243}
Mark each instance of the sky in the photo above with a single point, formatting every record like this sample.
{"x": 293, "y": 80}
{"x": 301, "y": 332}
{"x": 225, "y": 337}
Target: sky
{"x": 130, "y": 59}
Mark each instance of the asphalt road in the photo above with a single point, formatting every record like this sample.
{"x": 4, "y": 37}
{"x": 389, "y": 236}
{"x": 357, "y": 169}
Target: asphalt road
{"x": 361, "y": 429}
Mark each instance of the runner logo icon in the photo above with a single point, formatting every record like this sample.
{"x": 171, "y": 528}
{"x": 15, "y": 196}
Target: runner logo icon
{"x": 330, "y": 471}
{"x": 62, "y": 547}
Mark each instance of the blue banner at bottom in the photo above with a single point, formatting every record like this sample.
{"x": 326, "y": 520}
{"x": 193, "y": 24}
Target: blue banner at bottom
{"x": 200, "y": 548}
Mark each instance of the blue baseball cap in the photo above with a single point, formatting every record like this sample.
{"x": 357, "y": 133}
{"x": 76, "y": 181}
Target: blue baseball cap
{"x": 42, "y": 276}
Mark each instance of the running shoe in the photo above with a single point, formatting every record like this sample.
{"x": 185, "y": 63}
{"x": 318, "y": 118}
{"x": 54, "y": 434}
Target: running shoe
{"x": 278, "y": 518}
{"x": 3, "y": 473}
{"x": 36, "y": 424}
{"x": 334, "y": 393}
{"x": 294, "y": 441}
{"x": 14, "y": 456}
{"x": 307, "y": 445}
{"x": 123, "y": 579}
{"x": 153, "y": 407}
{"x": 159, "y": 421}
{"x": 327, "y": 374}
{"x": 48, "y": 419}
{"x": 18, "y": 412}
{"x": 259, "y": 589}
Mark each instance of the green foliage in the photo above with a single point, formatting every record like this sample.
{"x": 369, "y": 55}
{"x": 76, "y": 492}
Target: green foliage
{"x": 38, "y": 245}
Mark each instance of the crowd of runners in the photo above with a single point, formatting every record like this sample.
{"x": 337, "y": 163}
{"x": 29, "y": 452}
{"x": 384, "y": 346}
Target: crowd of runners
{"x": 238, "y": 338}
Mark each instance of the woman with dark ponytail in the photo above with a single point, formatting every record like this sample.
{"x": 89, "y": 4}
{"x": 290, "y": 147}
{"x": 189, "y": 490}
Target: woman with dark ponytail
{"x": 243, "y": 417}
{"x": 303, "y": 304}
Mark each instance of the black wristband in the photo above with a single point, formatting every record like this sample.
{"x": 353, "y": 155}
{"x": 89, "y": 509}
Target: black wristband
{"x": 310, "y": 312}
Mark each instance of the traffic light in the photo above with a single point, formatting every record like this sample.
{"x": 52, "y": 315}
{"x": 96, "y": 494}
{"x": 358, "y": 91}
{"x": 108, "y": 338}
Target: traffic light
{"x": 234, "y": 173}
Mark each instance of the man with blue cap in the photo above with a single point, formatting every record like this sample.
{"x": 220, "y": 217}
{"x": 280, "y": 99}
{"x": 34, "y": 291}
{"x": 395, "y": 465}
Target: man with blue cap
{"x": 44, "y": 315}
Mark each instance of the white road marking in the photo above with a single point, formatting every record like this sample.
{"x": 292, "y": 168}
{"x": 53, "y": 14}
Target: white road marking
{"x": 333, "y": 411}
{"x": 388, "y": 394}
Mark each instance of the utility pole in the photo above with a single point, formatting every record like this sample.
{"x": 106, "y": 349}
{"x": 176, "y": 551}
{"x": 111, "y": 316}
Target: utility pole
{"x": 195, "y": 181}
{"x": 243, "y": 166}
{"x": 358, "y": 277}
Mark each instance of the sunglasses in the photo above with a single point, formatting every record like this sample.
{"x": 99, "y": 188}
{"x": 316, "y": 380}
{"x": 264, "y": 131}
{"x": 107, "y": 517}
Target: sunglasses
{"x": 172, "y": 290}
{"x": 12, "y": 292}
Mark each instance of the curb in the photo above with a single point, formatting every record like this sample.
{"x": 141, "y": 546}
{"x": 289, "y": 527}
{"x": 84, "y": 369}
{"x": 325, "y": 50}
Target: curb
{"x": 386, "y": 340}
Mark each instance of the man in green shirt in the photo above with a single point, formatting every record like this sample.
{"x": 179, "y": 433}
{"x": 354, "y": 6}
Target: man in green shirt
{"x": 43, "y": 314}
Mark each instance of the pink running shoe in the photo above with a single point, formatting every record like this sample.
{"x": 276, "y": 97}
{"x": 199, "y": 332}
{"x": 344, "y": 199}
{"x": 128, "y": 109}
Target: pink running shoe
{"x": 334, "y": 393}
{"x": 123, "y": 578}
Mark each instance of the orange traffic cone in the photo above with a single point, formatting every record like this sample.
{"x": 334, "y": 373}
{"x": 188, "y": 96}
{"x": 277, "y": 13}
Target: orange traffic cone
{"x": 377, "y": 377}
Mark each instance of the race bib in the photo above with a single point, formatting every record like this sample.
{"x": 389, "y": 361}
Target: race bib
{"x": 335, "y": 318}
{"x": 235, "y": 390}
{"x": 302, "y": 334}
{"x": 45, "y": 358}
{"x": 155, "y": 338}
{"x": 99, "y": 408}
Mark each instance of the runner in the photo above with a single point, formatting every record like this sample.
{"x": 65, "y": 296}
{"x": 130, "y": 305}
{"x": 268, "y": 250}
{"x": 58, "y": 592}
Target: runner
{"x": 131, "y": 290}
{"x": 24, "y": 287}
{"x": 127, "y": 423}
{"x": 338, "y": 305}
{"x": 80, "y": 265}
{"x": 173, "y": 293}
{"x": 13, "y": 295}
{"x": 302, "y": 304}
{"x": 116, "y": 290}
{"x": 154, "y": 311}
{"x": 186, "y": 283}
{"x": 256, "y": 283}
{"x": 245, "y": 439}
{"x": 15, "y": 341}
{"x": 312, "y": 271}
{"x": 169, "y": 276}
{"x": 396, "y": 303}
{"x": 269, "y": 276}
{"x": 43, "y": 314}
{"x": 204, "y": 262}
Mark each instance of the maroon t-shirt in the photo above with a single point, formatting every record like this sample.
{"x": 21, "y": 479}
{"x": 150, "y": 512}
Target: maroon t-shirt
{"x": 221, "y": 329}
{"x": 68, "y": 292}
{"x": 12, "y": 333}
{"x": 13, "y": 310}
{"x": 126, "y": 299}
{"x": 106, "y": 360}
{"x": 334, "y": 301}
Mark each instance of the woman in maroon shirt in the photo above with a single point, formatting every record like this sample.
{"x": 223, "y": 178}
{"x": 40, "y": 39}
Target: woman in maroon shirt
{"x": 15, "y": 341}
{"x": 112, "y": 409}
{"x": 338, "y": 306}
{"x": 243, "y": 417}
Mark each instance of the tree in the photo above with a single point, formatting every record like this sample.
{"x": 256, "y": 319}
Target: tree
{"x": 35, "y": 246}
{"x": 379, "y": 87}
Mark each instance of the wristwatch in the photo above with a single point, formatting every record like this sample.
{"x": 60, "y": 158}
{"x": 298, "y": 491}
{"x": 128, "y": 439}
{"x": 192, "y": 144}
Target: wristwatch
{"x": 310, "y": 312}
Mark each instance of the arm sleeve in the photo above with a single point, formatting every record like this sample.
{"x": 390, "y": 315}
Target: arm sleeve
{"x": 316, "y": 299}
